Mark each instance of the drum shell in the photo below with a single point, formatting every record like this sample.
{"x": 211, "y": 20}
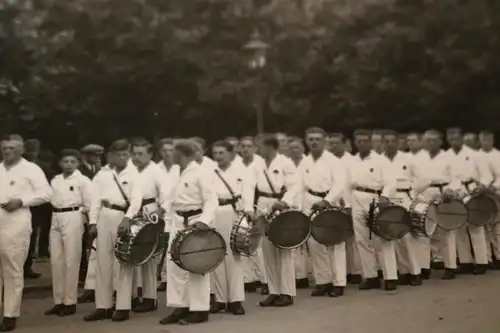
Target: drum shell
{"x": 331, "y": 226}
{"x": 482, "y": 209}
{"x": 138, "y": 245}
{"x": 288, "y": 229}
{"x": 452, "y": 215}
{"x": 424, "y": 217}
{"x": 245, "y": 236}
{"x": 391, "y": 223}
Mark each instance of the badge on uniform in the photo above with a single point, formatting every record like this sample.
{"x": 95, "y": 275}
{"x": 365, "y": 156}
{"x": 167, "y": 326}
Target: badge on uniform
{"x": 307, "y": 170}
{"x": 12, "y": 183}
{"x": 371, "y": 169}
{"x": 124, "y": 183}
{"x": 71, "y": 188}
{"x": 276, "y": 172}
{"x": 239, "y": 180}
{"x": 185, "y": 184}
{"x": 467, "y": 158}
{"x": 404, "y": 167}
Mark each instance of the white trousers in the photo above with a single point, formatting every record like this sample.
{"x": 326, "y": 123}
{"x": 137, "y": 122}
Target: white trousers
{"x": 407, "y": 248}
{"x": 227, "y": 279}
{"x": 478, "y": 240}
{"x": 369, "y": 247}
{"x": 253, "y": 268}
{"x": 278, "y": 263}
{"x": 145, "y": 277}
{"x": 15, "y": 233}
{"x": 493, "y": 241}
{"x": 65, "y": 255}
{"x": 107, "y": 227}
{"x": 353, "y": 260}
{"x": 91, "y": 268}
{"x": 302, "y": 262}
{"x": 184, "y": 289}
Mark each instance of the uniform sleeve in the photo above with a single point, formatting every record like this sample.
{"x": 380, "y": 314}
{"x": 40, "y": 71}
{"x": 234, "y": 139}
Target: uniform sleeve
{"x": 483, "y": 168}
{"x": 389, "y": 180}
{"x": 209, "y": 197}
{"x": 347, "y": 195}
{"x": 419, "y": 181}
{"x": 338, "y": 174}
{"x": 41, "y": 190}
{"x": 297, "y": 187}
{"x": 248, "y": 190}
{"x": 86, "y": 192}
{"x": 495, "y": 167}
{"x": 95, "y": 202}
{"x": 135, "y": 197}
{"x": 289, "y": 172}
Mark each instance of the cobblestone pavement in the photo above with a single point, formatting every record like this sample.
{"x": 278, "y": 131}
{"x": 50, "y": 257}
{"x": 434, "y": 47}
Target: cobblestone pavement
{"x": 466, "y": 305}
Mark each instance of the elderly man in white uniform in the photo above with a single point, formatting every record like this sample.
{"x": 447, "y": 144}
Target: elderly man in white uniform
{"x": 170, "y": 176}
{"x": 320, "y": 183}
{"x": 253, "y": 266}
{"x": 235, "y": 190}
{"x": 337, "y": 146}
{"x": 273, "y": 177}
{"x": 402, "y": 166}
{"x": 117, "y": 199}
{"x": 469, "y": 172}
{"x": 369, "y": 180}
{"x": 195, "y": 204}
{"x": 70, "y": 201}
{"x": 22, "y": 185}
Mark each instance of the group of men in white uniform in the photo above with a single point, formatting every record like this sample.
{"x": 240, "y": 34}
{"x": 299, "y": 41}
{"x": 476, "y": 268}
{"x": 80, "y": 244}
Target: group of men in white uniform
{"x": 254, "y": 176}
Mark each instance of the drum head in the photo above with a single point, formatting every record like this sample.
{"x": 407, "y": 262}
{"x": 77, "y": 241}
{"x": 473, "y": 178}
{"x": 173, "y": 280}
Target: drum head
{"x": 162, "y": 244}
{"x": 331, "y": 227}
{"x": 482, "y": 210}
{"x": 452, "y": 215}
{"x": 144, "y": 244}
{"x": 202, "y": 251}
{"x": 289, "y": 229}
{"x": 393, "y": 223}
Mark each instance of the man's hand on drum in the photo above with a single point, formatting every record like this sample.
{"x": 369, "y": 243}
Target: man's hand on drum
{"x": 124, "y": 226}
{"x": 201, "y": 226}
{"x": 279, "y": 205}
{"x": 383, "y": 202}
{"x": 320, "y": 205}
{"x": 448, "y": 194}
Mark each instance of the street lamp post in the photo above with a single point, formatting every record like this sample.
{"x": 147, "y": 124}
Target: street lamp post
{"x": 257, "y": 61}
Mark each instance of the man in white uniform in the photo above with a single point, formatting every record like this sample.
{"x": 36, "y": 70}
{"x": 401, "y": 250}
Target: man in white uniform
{"x": 469, "y": 172}
{"x": 377, "y": 142}
{"x": 22, "y": 185}
{"x": 337, "y": 145}
{"x": 70, "y": 201}
{"x": 273, "y": 178}
{"x": 116, "y": 200}
{"x": 369, "y": 181}
{"x": 320, "y": 183}
{"x": 402, "y": 166}
{"x": 235, "y": 189}
{"x": 195, "y": 204}
{"x": 254, "y": 272}
{"x": 170, "y": 175}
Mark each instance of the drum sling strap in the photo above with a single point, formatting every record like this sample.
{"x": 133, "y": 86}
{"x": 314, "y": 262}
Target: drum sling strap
{"x": 127, "y": 202}
{"x": 273, "y": 190}
{"x": 234, "y": 197}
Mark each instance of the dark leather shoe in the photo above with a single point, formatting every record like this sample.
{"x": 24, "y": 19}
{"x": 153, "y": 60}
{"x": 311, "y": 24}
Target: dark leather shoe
{"x": 322, "y": 290}
{"x": 67, "y": 310}
{"x": 88, "y": 296}
{"x": 8, "y": 324}
{"x": 425, "y": 274}
{"x": 390, "y": 285}
{"x": 217, "y": 307}
{"x": 380, "y": 274}
{"x": 370, "y": 283}
{"x": 264, "y": 289}
{"x": 449, "y": 274}
{"x": 496, "y": 264}
{"x": 55, "y": 310}
{"x": 302, "y": 283}
{"x": 437, "y": 265}
{"x": 467, "y": 268}
{"x": 162, "y": 287}
{"x": 30, "y": 274}
{"x": 194, "y": 317}
{"x": 175, "y": 316}
{"x": 354, "y": 279}
{"x": 250, "y": 287}
{"x": 269, "y": 301}
{"x": 121, "y": 315}
{"x": 336, "y": 292}
{"x": 136, "y": 301}
{"x": 480, "y": 270}
{"x": 415, "y": 280}
{"x": 404, "y": 279}
{"x": 283, "y": 300}
{"x": 99, "y": 314}
{"x": 147, "y": 305}
{"x": 236, "y": 308}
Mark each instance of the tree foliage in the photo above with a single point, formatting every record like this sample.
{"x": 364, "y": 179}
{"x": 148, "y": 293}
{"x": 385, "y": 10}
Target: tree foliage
{"x": 96, "y": 69}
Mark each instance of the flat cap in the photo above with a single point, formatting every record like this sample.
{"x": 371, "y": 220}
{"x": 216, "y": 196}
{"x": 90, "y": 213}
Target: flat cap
{"x": 93, "y": 149}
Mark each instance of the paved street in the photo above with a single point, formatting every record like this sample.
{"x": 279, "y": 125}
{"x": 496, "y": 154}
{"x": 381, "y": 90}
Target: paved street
{"x": 468, "y": 304}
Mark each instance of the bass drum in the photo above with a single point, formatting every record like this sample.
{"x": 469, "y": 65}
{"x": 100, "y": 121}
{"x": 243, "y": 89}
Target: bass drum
{"x": 390, "y": 223}
{"x": 245, "y": 236}
{"x": 423, "y": 217}
{"x": 331, "y": 226}
{"x": 452, "y": 214}
{"x": 198, "y": 251}
{"x": 137, "y": 246}
{"x": 482, "y": 209}
{"x": 288, "y": 228}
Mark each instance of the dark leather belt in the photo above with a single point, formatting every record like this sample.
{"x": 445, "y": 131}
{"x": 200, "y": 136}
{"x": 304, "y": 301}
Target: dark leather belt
{"x": 368, "y": 190}
{"x": 440, "y": 185}
{"x": 404, "y": 190}
{"x": 269, "y": 195}
{"x": 187, "y": 214}
{"x": 65, "y": 210}
{"x": 232, "y": 201}
{"x": 468, "y": 182}
{"x": 146, "y": 202}
{"x": 321, "y": 195}
{"x": 114, "y": 207}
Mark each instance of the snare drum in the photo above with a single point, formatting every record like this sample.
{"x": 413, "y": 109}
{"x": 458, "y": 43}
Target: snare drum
{"x": 482, "y": 209}
{"x": 245, "y": 237}
{"x": 137, "y": 246}
{"x": 331, "y": 226}
{"x": 288, "y": 228}
{"x": 452, "y": 215}
{"x": 198, "y": 251}
{"x": 423, "y": 217}
{"x": 390, "y": 223}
